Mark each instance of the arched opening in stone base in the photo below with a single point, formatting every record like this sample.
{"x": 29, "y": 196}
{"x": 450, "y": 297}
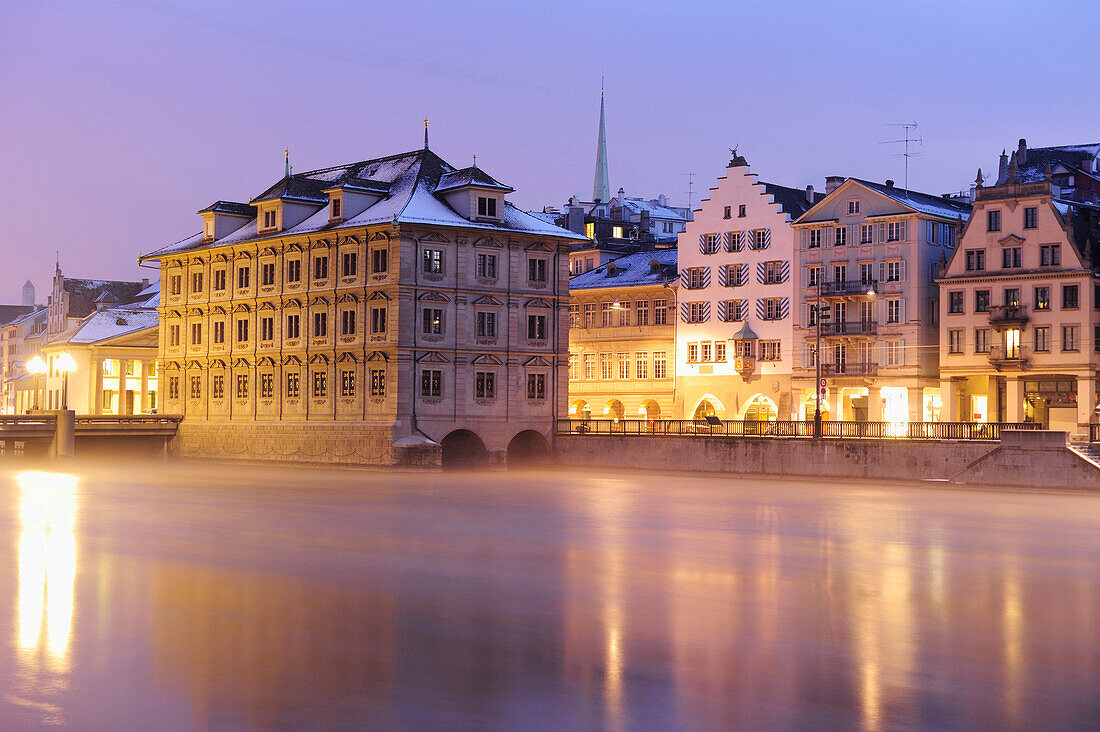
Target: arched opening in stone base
{"x": 528, "y": 448}
{"x": 462, "y": 449}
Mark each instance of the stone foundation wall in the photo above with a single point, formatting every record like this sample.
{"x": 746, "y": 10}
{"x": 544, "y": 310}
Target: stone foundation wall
{"x": 852, "y": 459}
{"x": 337, "y": 443}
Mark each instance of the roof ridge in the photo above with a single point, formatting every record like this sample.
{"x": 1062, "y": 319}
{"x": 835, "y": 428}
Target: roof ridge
{"x": 360, "y": 163}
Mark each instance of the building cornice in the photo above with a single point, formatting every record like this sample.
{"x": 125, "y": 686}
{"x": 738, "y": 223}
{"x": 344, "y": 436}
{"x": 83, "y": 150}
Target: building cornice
{"x": 1031, "y": 274}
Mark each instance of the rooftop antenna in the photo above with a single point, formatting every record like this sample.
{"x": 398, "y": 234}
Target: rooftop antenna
{"x": 906, "y": 140}
{"x": 691, "y": 183}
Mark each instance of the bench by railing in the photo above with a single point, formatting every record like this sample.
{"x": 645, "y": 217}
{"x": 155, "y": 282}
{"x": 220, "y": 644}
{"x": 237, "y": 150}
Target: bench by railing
{"x": 752, "y": 428}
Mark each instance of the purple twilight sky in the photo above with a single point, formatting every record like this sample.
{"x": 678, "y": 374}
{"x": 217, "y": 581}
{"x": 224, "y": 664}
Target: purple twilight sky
{"x": 120, "y": 120}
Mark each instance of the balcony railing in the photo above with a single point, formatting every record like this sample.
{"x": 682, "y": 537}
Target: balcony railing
{"x": 853, "y": 287}
{"x": 990, "y": 431}
{"x": 1000, "y": 355}
{"x": 849, "y": 369}
{"x": 857, "y": 327}
{"x": 1007, "y": 314}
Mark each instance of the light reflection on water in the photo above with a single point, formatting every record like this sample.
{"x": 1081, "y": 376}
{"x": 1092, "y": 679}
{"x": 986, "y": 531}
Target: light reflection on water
{"x": 47, "y": 568}
{"x": 283, "y": 598}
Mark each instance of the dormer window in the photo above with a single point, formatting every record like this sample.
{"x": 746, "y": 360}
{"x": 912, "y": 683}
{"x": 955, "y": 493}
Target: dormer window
{"x": 269, "y": 218}
{"x": 486, "y": 206}
{"x": 336, "y": 207}
{"x": 208, "y": 228}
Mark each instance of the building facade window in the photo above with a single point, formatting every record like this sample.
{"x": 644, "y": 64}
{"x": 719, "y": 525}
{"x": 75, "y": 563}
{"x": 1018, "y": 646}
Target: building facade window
{"x": 242, "y": 386}
{"x": 378, "y": 382}
{"x": 293, "y": 385}
{"x": 1042, "y": 339}
{"x": 770, "y": 351}
{"x": 536, "y": 327}
{"x": 244, "y": 276}
{"x": 1042, "y": 298}
{"x": 242, "y": 330}
{"x": 660, "y": 364}
{"x": 349, "y": 264}
{"x": 993, "y": 220}
{"x": 196, "y": 387}
{"x": 893, "y": 311}
{"x": 320, "y": 325}
{"x": 981, "y": 340}
{"x": 1069, "y": 297}
{"x": 217, "y": 387}
{"x": 294, "y": 271}
{"x": 1050, "y": 255}
{"x": 641, "y": 365}
{"x": 484, "y": 385}
{"x": 432, "y": 321}
{"x": 320, "y": 268}
{"x": 487, "y": 266}
{"x": 219, "y": 332}
{"x": 379, "y": 260}
{"x": 955, "y": 341}
{"x": 660, "y": 312}
{"x": 320, "y": 384}
{"x": 536, "y": 270}
{"x": 981, "y": 301}
{"x": 853, "y": 207}
{"x": 1011, "y": 258}
{"x": 267, "y": 386}
{"x": 1071, "y": 338}
{"x": 641, "y": 312}
{"x": 347, "y": 322}
{"x": 975, "y": 260}
{"x": 536, "y": 387}
{"x": 267, "y": 274}
{"x": 1031, "y": 218}
{"x": 378, "y": 320}
{"x": 293, "y": 327}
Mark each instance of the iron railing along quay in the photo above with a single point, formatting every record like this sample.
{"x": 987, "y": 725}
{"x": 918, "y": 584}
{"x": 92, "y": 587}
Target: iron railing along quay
{"x": 830, "y": 429}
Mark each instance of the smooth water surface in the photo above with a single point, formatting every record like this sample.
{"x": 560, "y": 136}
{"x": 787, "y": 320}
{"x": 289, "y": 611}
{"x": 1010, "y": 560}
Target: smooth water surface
{"x": 168, "y": 596}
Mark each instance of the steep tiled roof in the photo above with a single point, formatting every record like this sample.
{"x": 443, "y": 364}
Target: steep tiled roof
{"x": 230, "y": 207}
{"x": 83, "y": 293}
{"x": 472, "y": 176}
{"x": 792, "y": 201}
{"x": 411, "y": 180}
{"x": 922, "y": 202}
{"x": 642, "y": 268}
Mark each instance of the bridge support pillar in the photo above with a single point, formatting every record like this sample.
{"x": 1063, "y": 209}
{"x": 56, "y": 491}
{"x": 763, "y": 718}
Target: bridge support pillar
{"x": 64, "y": 437}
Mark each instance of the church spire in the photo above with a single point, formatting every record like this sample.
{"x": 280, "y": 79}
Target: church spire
{"x": 601, "y": 188}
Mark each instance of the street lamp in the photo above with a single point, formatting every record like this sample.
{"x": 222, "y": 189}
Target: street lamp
{"x": 65, "y": 364}
{"x": 37, "y": 367}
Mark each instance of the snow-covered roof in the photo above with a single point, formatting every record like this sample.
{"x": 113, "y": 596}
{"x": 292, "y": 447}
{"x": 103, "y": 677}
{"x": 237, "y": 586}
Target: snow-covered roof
{"x": 472, "y": 176}
{"x": 410, "y": 180}
{"x": 656, "y": 210}
{"x": 112, "y": 323}
{"x": 925, "y": 203}
{"x": 641, "y": 268}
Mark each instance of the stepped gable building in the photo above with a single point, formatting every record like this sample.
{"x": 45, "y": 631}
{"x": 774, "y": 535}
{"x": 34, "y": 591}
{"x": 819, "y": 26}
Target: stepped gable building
{"x": 346, "y": 308}
{"x": 737, "y": 299}
{"x": 871, "y": 252}
{"x": 622, "y": 343}
{"x": 1020, "y": 297}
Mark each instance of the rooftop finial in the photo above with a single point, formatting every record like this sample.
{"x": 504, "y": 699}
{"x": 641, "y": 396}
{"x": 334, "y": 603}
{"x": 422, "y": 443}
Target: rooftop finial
{"x": 425, "y": 133}
{"x": 475, "y": 161}
{"x": 286, "y": 169}
{"x": 979, "y": 180}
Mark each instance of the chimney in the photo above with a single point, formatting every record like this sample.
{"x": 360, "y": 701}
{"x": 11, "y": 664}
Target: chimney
{"x": 1021, "y": 153}
{"x": 889, "y": 183}
{"x": 1002, "y": 168}
{"x": 622, "y": 193}
{"x": 810, "y": 195}
{"x": 144, "y": 282}
{"x": 833, "y": 182}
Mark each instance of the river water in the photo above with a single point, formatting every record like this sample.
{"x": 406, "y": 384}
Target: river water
{"x": 182, "y": 596}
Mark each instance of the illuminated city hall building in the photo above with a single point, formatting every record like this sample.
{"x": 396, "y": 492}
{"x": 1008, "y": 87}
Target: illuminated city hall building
{"x": 622, "y": 343}
{"x": 1019, "y": 323}
{"x": 734, "y": 336}
{"x": 871, "y": 253}
{"x": 343, "y": 309}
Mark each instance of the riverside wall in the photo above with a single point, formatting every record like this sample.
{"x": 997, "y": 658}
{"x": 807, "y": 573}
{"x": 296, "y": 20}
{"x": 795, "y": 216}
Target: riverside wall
{"x": 329, "y": 443}
{"x": 1025, "y": 459}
